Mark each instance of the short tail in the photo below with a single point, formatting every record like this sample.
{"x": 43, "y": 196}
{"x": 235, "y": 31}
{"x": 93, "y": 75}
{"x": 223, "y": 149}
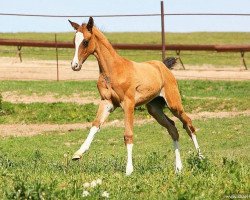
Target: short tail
{"x": 170, "y": 62}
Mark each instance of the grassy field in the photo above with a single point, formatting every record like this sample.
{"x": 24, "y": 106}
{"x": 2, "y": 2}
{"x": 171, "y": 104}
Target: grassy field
{"x": 39, "y": 167}
{"x": 192, "y": 58}
{"x": 197, "y": 96}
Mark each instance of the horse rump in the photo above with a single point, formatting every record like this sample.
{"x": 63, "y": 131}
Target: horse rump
{"x": 170, "y": 62}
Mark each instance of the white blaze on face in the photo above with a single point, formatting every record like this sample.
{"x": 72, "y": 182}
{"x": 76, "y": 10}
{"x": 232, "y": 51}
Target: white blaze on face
{"x": 78, "y": 40}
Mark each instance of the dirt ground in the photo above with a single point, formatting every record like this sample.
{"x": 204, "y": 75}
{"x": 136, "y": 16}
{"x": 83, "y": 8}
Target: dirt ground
{"x": 14, "y": 97}
{"x": 12, "y": 69}
{"x": 34, "y": 129}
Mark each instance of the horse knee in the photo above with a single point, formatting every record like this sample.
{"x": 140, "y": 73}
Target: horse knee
{"x": 128, "y": 139}
{"x": 96, "y": 123}
{"x": 187, "y": 124}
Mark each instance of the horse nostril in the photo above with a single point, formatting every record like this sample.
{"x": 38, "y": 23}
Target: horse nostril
{"x": 74, "y": 64}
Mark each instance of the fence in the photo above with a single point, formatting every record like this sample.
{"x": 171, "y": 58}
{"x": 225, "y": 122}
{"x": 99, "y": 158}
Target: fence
{"x": 157, "y": 47}
{"x": 174, "y": 47}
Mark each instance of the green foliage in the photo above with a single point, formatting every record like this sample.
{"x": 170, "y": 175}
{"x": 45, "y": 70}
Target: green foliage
{"x": 198, "y": 165}
{"x": 36, "y": 190}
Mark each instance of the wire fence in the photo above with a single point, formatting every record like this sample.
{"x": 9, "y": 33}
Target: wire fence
{"x": 128, "y": 15}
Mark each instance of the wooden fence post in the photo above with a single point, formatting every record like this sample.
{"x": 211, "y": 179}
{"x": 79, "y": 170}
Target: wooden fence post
{"x": 242, "y": 53}
{"x": 57, "y": 68}
{"x": 163, "y": 43}
{"x": 19, "y": 53}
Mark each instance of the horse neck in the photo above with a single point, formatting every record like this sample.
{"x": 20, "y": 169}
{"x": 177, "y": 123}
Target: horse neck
{"x": 106, "y": 55}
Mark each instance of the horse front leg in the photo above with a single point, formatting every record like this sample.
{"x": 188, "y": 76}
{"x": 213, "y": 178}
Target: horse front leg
{"x": 128, "y": 134}
{"x": 105, "y": 108}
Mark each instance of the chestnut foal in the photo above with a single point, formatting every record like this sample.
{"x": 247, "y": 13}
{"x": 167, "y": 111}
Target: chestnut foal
{"x": 127, "y": 84}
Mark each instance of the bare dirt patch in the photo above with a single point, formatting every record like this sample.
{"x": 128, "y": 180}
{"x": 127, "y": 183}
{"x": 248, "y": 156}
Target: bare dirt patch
{"x": 12, "y": 69}
{"x": 14, "y": 97}
{"x": 35, "y": 129}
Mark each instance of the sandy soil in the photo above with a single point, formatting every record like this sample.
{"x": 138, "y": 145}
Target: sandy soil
{"x": 14, "y": 97}
{"x": 34, "y": 129}
{"x": 12, "y": 69}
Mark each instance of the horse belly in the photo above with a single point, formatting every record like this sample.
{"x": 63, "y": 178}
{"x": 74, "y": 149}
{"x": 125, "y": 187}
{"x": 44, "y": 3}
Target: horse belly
{"x": 148, "y": 84}
{"x": 145, "y": 94}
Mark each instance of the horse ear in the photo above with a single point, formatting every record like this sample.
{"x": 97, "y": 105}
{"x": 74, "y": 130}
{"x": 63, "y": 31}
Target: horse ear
{"x": 90, "y": 24}
{"x": 74, "y": 25}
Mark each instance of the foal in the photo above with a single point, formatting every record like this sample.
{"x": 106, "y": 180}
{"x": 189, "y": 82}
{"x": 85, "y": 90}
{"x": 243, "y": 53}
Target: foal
{"x": 127, "y": 84}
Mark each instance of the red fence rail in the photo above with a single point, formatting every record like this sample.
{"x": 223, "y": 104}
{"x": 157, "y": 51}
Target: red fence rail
{"x": 172, "y": 47}
{"x": 157, "y": 47}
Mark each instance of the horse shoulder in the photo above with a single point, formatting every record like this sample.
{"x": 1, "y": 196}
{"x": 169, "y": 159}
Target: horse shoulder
{"x": 103, "y": 88}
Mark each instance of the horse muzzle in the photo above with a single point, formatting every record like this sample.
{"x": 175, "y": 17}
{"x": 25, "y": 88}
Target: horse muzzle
{"x": 76, "y": 67}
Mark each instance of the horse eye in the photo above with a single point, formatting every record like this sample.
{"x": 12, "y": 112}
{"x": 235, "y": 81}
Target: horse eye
{"x": 85, "y": 43}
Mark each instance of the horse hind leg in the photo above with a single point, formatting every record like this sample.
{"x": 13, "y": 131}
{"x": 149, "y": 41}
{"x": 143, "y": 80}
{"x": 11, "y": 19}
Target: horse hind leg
{"x": 179, "y": 112}
{"x": 173, "y": 100}
{"x": 155, "y": 109}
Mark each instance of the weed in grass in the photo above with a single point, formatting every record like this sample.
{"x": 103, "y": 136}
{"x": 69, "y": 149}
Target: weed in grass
{"x": 24, "y": 190}
{"x": 197, "y": 165}
{"x": 5, "y": 162}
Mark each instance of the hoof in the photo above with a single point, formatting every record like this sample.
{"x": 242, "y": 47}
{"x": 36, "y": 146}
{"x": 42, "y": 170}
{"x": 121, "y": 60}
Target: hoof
{"x": 76, "y": 157}
{"x": 129, "y": 170}
{"x": 201, "y": 157}
{"x": 178, "y": 170}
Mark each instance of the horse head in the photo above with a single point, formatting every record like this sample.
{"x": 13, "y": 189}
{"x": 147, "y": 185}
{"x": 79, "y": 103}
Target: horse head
{"x": 84, "y": 43}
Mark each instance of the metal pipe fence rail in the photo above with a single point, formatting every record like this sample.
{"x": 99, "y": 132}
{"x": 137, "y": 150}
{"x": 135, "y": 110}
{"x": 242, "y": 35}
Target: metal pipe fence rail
{"x": 155, "y": 47}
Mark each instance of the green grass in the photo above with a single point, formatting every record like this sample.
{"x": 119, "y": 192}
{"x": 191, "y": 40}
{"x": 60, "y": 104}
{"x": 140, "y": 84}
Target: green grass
{"x": 62, "y": 88}
{"x": 194, "y": 58}
{"x": 40, "y": 166}
{"x": 197, "y": 96}
{"x": 190, "y": 88}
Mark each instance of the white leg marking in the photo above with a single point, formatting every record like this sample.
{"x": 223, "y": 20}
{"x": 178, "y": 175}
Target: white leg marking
{"x": 107, "y": 109}
{"x": 129, "y": 168}
{"x": 195, "y": 141}
{"x": 78, "y": 40}
{"x": 178, "y": 164}
{"x": 197, "y": 147}
{"x": 85, "y": 146}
